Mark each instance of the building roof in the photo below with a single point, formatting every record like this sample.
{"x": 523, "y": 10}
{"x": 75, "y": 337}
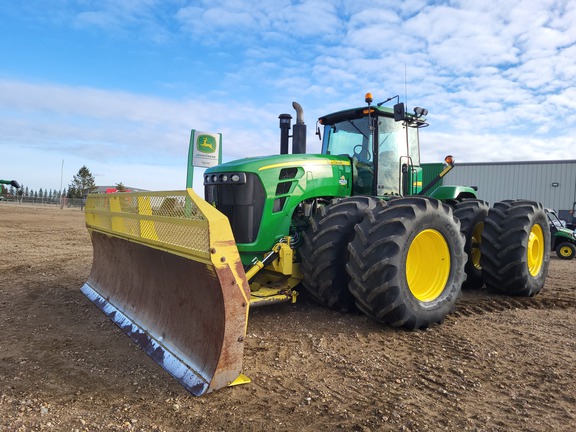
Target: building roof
{"x": 537, "y": 162}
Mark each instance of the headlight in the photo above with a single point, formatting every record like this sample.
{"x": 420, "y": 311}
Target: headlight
{"x": 225, "y": 178}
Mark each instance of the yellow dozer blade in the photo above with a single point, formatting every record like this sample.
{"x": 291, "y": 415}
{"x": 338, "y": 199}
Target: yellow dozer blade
{"x": 166, "y": 270}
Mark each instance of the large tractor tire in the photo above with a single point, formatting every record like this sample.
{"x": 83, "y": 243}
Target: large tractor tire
{"x": 324, "y": 252}
{"x": 566, "y": 250}
{"x": 471, "y": 213}
{"x": 515, "y": 248}
{"x": 407, "y": 262}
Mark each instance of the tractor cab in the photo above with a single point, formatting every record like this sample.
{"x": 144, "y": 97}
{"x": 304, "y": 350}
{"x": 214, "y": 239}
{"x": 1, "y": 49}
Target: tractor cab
{"x": 382, "y": 144}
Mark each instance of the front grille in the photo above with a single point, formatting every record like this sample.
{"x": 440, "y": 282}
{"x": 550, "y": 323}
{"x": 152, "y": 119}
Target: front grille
{"x": 243, "y": 204}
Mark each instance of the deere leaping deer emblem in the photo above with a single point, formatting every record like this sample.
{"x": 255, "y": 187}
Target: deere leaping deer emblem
{"x": 207, "y": 145}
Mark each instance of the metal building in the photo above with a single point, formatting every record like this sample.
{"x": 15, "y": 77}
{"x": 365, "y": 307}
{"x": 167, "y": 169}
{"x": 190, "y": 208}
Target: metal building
{"x": 553, "y": 183}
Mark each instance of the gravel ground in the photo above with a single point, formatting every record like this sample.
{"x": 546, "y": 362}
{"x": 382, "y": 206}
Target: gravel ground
{"x": 496, "y": 364}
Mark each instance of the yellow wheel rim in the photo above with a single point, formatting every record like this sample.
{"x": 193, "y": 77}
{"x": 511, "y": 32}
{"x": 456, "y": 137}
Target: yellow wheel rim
{"x": 565, "y": 251}
{"x": 428, "y": 265}
{"x": 476, "y": 240}
{"x": 535, "y": 252}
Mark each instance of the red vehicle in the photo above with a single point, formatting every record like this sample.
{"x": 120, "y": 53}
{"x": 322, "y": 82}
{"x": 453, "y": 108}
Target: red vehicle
{"x": 114, "y": 190}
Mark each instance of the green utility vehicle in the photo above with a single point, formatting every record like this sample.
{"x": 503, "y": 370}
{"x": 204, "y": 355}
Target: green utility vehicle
{"x": 12, "y": 183}
{"x": 563, "y": 238}
{"x": 352, "y": 225}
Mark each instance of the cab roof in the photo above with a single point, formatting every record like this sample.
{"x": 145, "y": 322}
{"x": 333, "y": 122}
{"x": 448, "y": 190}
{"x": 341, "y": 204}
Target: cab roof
{"x": 355, "y": 113}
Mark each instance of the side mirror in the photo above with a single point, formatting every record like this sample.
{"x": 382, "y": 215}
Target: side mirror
{"x": 399, "y": 111}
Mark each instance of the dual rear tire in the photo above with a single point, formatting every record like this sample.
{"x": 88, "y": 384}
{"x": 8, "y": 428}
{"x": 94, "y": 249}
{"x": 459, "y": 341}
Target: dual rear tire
{"x": 407, "y": 262}
{"x": 508, "y": 245}
{"x": 515, "y": 248}
{"x": 400, "y": 262}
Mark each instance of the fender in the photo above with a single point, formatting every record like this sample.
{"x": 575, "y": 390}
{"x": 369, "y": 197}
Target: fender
{"x": 444, "y": 193}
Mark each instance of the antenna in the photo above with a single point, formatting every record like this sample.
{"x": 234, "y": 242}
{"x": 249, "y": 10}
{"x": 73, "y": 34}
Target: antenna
{"x": 405, "y": 86}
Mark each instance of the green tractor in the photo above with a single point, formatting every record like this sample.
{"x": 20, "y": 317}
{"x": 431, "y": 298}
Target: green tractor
{"x": 12, "y": 183}
{"x": 563, "y": 238}
{"x": 353, "y": 226}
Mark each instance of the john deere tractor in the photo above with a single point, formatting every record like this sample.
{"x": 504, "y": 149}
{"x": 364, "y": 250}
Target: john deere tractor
{"x": 563, "y": 238}
{"x": 12, "y": 183}
{"x": 353, "y": 226}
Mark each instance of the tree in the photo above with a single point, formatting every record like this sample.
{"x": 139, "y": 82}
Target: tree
{"x": 120, "y": 187}
{"x": 82, "y": 183}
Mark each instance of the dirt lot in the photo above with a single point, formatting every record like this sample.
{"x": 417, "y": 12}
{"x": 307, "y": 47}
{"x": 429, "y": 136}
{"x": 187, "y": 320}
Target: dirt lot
{"x": 496, "y": 364}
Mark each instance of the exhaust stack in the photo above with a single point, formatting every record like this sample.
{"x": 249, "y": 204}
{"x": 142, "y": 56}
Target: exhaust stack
{"x": 298, "y": 133}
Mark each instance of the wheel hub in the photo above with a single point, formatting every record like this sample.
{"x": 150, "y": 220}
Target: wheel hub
{"x": 535, "y": 252}
{"x": 428, "y": 265}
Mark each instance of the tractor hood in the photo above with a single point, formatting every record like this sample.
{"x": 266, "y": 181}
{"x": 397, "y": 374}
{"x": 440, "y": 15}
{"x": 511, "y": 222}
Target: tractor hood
{"x": 264, "y": 163}
{"x": 565, "y": 232}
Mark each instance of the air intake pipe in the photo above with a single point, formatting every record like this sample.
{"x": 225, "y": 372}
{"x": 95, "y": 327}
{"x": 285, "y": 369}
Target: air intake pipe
{"x": 285, "y": 122}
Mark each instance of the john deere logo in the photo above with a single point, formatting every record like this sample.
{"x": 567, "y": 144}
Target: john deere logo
{"x": 206, "y": 144}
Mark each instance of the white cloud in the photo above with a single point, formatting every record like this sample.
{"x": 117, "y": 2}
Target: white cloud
{"x": 235, "y": 21}
{"x": 112, "y": 129}
{"x": 497, "y": 77}
{"x": 492, "y": 146}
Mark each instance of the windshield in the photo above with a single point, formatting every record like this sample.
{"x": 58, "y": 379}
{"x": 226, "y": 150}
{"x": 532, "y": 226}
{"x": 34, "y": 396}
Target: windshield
{"x": 353, "y": 138}
{"x": 397, "y": 145}
{"x": 554, "y": 220}
{"x": 348, "y": 137}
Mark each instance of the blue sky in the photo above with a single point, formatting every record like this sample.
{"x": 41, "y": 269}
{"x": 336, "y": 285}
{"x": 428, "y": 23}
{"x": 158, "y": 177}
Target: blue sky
{"x": 117, "y": 85}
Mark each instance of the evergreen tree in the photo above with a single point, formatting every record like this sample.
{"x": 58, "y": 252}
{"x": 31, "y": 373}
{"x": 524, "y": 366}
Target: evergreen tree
{"x": 120, "y": 187}
{"x": 26, "y": 191}
{"x": 40, "y": 193}
{"x": 82, "y": 183}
